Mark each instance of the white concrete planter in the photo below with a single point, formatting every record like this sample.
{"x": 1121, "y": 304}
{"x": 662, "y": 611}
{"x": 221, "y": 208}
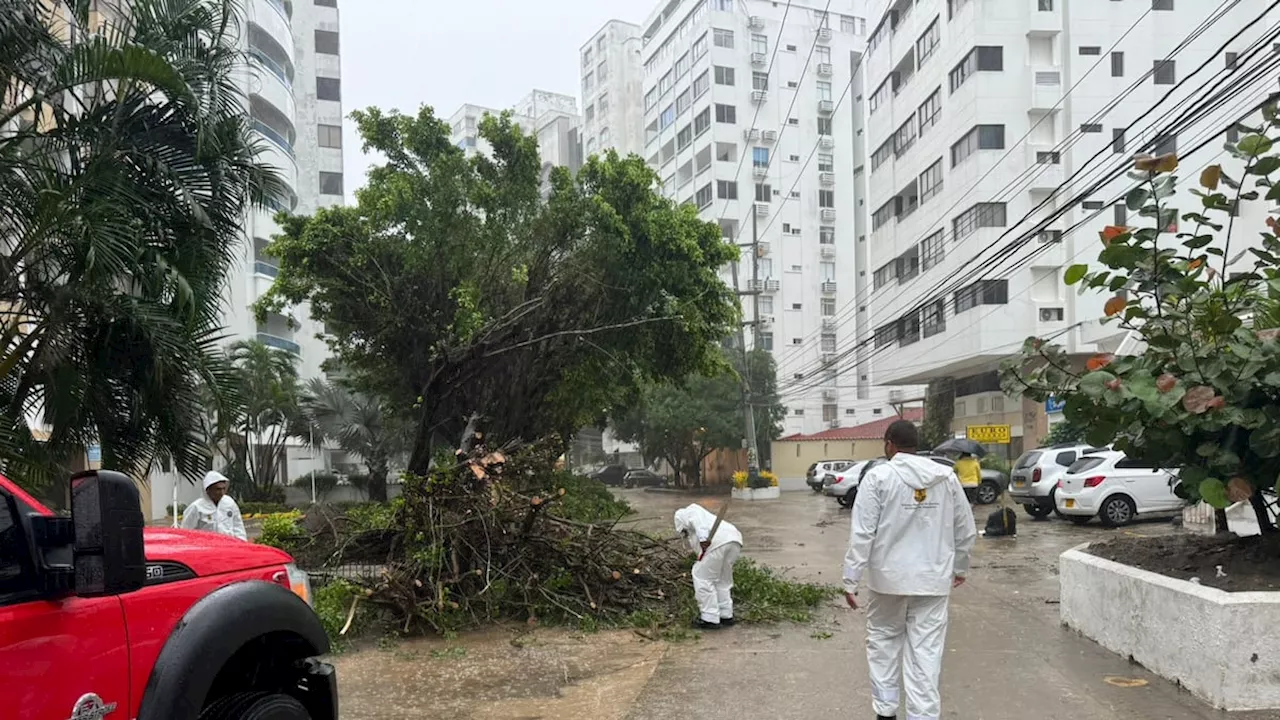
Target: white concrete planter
{"x": 1218, "y": 645}
{"x": 769, "y": 493}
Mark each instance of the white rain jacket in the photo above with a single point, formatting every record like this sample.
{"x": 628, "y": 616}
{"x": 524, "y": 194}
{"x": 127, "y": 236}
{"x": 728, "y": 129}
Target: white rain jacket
{"x": 697, "y": 520}
{"x": 222, "y": 518}
{"x": 912, "y": 529}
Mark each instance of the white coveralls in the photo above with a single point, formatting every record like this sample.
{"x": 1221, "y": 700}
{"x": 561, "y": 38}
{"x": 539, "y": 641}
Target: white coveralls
{"x": 713, "y": 573}
{"x": 222, "y": 518}
{"x": 912, "y": 533}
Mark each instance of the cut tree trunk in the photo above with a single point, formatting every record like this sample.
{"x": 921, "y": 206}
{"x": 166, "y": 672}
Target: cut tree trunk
{"x": 1220, "y": 521}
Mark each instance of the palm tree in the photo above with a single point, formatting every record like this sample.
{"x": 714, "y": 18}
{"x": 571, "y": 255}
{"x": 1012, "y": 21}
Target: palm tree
{"x": 270, "y": 413}
{"x": 361, "y": 425}
{"x": 126, "y": 168}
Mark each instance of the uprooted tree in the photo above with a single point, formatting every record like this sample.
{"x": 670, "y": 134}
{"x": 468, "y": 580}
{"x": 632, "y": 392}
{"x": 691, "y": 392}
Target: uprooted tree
{"x": 1204, "y": 396}
{"x": 455, "y": 286}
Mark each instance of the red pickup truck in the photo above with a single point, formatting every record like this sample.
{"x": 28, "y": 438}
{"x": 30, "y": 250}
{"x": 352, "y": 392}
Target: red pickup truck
{"x": 102, "y": 617}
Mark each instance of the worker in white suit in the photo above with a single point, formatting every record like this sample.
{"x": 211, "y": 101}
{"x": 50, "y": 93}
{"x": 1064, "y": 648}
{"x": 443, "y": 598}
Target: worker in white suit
{"x": 909, "y": 546}
{"x": 215, "y": 511}
{"x": 713, "y": 572}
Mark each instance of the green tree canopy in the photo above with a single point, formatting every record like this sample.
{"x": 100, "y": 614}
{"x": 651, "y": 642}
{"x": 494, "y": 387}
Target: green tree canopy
{"x": 457, "y": 286}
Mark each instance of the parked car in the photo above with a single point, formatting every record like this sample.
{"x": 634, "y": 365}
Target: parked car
{"x": 818, "y": 471}
{"x": 643, "y": 478}
{"x": 1116, "y": 489}
{"x": 1036, "y": 474}
{"x": 843, "y": 485}
{"x": 988, "y": 491}
{"x": 613, "y": 475}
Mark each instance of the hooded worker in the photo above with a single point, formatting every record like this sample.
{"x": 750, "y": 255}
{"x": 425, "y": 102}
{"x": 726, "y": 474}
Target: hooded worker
{"x": 215, "y": 511}
{"x": 713, "y": 572}
{"x": 909, "y": 546}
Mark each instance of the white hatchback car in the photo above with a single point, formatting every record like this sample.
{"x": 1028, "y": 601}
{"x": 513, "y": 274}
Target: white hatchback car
{"x": 1115, "y": 489}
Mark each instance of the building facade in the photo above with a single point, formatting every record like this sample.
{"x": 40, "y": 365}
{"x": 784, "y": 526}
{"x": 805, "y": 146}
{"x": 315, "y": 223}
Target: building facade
{"x": 978, "y": 112}
{"x": 550, "y": 117}
{"x": 612, "y": 88}
{"x": 749, "y": 115}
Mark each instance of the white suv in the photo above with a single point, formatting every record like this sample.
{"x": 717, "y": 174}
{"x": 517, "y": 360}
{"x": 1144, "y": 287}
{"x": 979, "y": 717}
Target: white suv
{"x": 1034, "y": 478}
{"x": 1116, "y": 489}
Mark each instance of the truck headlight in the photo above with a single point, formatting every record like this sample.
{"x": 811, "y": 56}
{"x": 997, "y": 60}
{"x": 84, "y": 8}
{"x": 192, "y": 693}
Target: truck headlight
{"x": 297, "y": 580}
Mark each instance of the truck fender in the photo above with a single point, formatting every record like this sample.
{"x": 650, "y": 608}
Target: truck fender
{"x": 212, "y": 631}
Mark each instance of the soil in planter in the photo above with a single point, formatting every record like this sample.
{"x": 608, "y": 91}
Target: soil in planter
{"x": 1248, "y": 563}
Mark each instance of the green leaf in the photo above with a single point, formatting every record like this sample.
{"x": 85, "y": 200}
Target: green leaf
{"x": 1266, "y": 165}
{"x": 1094, "y": 384}
{"x": 1136, "y": 198}
{"x": 1199, "y": 241}
{"x": 1254, "y": 145}
{"x": 1075, "y": 274}
{"x": 1214, "y": 492}
{"x": 1266, "y": 442}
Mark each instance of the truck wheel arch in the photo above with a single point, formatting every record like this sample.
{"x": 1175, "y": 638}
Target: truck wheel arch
{"x": 214, "y": 630}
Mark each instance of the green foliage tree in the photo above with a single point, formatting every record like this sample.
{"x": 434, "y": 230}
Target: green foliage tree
{"x": 455, "y": 287}
{"x": 684, "y": 423}
{"x": 361, "y": 425}
{"x": 270, "y": 415}
{"x": 1203, "y": 395}
{"x": 127, "y": 164}
{"x": 1065, "y": 431}
{"x": 939, "y": 412}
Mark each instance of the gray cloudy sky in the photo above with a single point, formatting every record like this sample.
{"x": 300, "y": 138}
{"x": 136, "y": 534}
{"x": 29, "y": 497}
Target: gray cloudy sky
{"x": 406, "y": 53}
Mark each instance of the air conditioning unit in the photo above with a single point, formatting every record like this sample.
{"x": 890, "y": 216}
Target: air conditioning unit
{"x": 766, "y": 320}
{"x": 828, "y": 358}
{"x": 759, "y": 95}
{"x": 828, "y": 214}
{"x": 770, "y": 136}
{"x": 829, "y": 323}
{"x": 751, "y": 134}
{"x": 828, "y": 251}
{"x": 772, "y": 285}
{"x": 762, "y": 209}
{"x": 762, "y": 248}
{"x": 830, "y": 394}
{"x": 1052, "y": 314}
{"x": 897, "y": 396}
{"x": 825, "y": 69}
{"x": 755, "y": 22}
{"x": 826, "y": 107}
{"x": 826, "y": 142}
{"x": 824, "y": 33}
{"x": 829, "y": 287}
{"x": 760, "y": 171}
{"x": 755, "y": 285}
{"x": 827, "y": 178}
{"x": 759, "y": 58}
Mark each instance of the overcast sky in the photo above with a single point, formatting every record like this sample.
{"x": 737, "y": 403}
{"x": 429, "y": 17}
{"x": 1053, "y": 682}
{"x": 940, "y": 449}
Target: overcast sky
{"x": 406, "y": 53}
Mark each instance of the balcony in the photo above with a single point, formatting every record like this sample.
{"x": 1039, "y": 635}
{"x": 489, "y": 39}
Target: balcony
{"x": 759, "y": 172}
{"x": 825, "y": 70}
{"x": 772, "y": 286}
{"x": 829, "y": 323}
{"x": 280, "y": 343}
{"x": 769, "y": 136}
{"x": 755, "y": 286}
{"x": 766, "y": 320}
{"x": 273, "y": 19}
{"x": 269, "y": 83}
{"x": 755, "y": 22}
{"x": 827, "y": 179}
{"x": 827, "y": 251}
{"x": 824, "y": 34}
{"x": 829, "y": 287}
{"x": 1045, "y": 164}
{"x": 758, "y": 58}
{"x": 1045, "y": 17}
{"x": 826, "y": 107}
{"x": 827, "y": 214}
{"x": 759, "y": 96}
{"x": 274, "y": 137}
{"x": 1046, "y": 88}
{"x": 826, "y": 142}
{"x": 762, "y": 209}
{"x": 830, "y": 394}
{"x": 827, "y": 358}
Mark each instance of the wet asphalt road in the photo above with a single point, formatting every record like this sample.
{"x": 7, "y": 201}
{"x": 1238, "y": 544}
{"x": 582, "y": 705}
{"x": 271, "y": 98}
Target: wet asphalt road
{"x": 1008, "y": 658}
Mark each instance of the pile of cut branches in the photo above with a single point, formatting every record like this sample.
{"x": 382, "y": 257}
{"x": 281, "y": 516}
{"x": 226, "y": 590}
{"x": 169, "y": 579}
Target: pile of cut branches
{"x": 482, "y": 538}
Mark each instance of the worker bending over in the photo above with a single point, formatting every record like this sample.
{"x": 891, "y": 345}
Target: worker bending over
{"x": 713, "y": 572}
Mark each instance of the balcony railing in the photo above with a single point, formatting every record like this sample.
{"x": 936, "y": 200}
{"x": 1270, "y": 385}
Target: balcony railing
{"x": 271, "y": 66}
{"x": 275, "y": 137}
{"x": 280, "y": 7}
{"x": 278, "y": 342}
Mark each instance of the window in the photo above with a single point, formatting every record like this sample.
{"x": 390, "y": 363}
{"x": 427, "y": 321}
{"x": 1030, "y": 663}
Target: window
{"x": 726, "y": 152}
{"x": 979, "y": 216}
{"x": 726, "y": 114}
{"x": 701, "y": 84}
{"x": 764, "y": 192}
{"x": 1065, "y": 458}
{"x": 823, "y": 52}
{"x": 824, "y": 126}
{"x": 1091, "y": 128}
{"x": 586, "y": 58}
{"x": 931, "y": 181}
{"x": 722, "y": 38}
{"x": 327, "y": 3}
{"x": 684, "y": 138}
{"x": 724, "y": 75}
{"x": 759, "y": 81}
{"x": 927, "y": 44}
{"x": 683, "y": 101}
{"x": 828, "y": 305}
{"x": 16, "y": 576}
{"x": 1045, "y": 5}
{"x": 702, "y": 122}
{"x": 1120, "y": 214}
{"x": 703, "y": 196}
{"x": 766, "y": 341}
{"x": 826, "y": 235}
{"x": 1117, "y": 64}
{"x": 328, "y": 88}
{"x": 327, "y": 42}
{"x": 981, "y": 137}
{"x": 824, "y": 90}
{"x": 759, "y": 43}
{"x": 979, "y": 59}
{"x": 1231, "y": 60}
{"x": 932, "y": 250}
{"x": 1164, "y": 144}
{"x": 882, "y": 154}
{"x": 667, "y": 118}
{"x": 603, "y": 104}
{"x": 766, "y": 304}
{"x": 1090, "y": 50}
{"x": 828, "y": 344}
{"x": 330, "y": 183}
{"x": 1117, "y": 140}
{"x": 330, "y": 136}
{"x": 681, "y": 69}
{"x": 826, "y": 162}
{"x": 588, "y": 82}
{"x": 760, "y": 157}
{"x": 1164, "y": 72}
{"x": 1161, "y": 4}
{"x": 664, "y": 84}
{"x": 1091, "y": 205}
{"x": 983, "y": 292}
{"x": 928, "y": 112}
{"x": 881, "y": 95}
{"x": 826, "y": 198}
{"x": 699, "y": 47}
{"x": 883, "y": 215}
{"x": 726, "y": 190}
{"x": 848, "y": 24}
{"x": 650, "y": 99}
{"x": 602, "y": 70}
{"x": 904, "y": 137}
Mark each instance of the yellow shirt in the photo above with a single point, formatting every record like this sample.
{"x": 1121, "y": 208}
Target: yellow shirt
{"x": 969, "y": 471}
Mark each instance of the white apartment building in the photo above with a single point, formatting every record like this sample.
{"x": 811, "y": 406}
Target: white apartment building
{"x": 748, "y": 115}
{"x": 551, "y": 117}
{"x": 612, "y": 88}
{"x": 977, "y": 111}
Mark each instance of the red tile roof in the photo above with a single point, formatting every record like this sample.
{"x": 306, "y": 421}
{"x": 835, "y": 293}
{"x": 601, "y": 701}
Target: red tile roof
{"x": 870, "y": 431}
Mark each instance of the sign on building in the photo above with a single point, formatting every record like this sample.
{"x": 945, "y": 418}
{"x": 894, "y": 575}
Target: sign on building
{"x": 1054, "y": 405}
{"x": 989, "y": 434}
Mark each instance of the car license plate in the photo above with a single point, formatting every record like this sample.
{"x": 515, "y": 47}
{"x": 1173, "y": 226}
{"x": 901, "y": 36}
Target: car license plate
{"x": 1019, "y": 483}
{"x": 1071, "y": 503}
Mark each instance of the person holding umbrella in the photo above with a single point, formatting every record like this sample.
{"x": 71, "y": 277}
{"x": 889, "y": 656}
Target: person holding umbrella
{"x": 967, "y": 467}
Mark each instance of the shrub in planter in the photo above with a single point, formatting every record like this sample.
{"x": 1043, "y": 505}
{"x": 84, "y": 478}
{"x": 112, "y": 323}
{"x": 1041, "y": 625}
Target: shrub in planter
{"x": 763, "y": 480}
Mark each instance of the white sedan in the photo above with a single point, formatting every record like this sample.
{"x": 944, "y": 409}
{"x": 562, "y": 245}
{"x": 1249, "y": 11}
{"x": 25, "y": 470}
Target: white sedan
{"x": 843, "y": 486}
{"x": 1115, "y": 489}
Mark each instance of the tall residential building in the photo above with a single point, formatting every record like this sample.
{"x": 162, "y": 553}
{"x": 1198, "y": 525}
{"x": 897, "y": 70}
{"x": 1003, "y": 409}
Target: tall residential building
{"x": 551, "y": 117}
{"x": 977, "y": 112}
{"x": 612, "y": 88}
{"x": 748, "y": 115}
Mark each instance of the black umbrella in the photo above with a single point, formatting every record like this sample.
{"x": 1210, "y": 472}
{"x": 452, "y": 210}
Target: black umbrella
{"x": 962, "y": 445}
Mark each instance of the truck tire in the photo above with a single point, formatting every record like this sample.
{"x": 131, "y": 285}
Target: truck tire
{"x": 256, "y": 706}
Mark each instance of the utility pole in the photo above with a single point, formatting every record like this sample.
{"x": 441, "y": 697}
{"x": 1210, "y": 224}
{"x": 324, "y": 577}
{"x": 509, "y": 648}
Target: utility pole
{"x": 748, "y": 414}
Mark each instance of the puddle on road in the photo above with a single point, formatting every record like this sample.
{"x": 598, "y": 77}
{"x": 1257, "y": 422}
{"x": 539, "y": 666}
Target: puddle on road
{"x": 485, "y": 676}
